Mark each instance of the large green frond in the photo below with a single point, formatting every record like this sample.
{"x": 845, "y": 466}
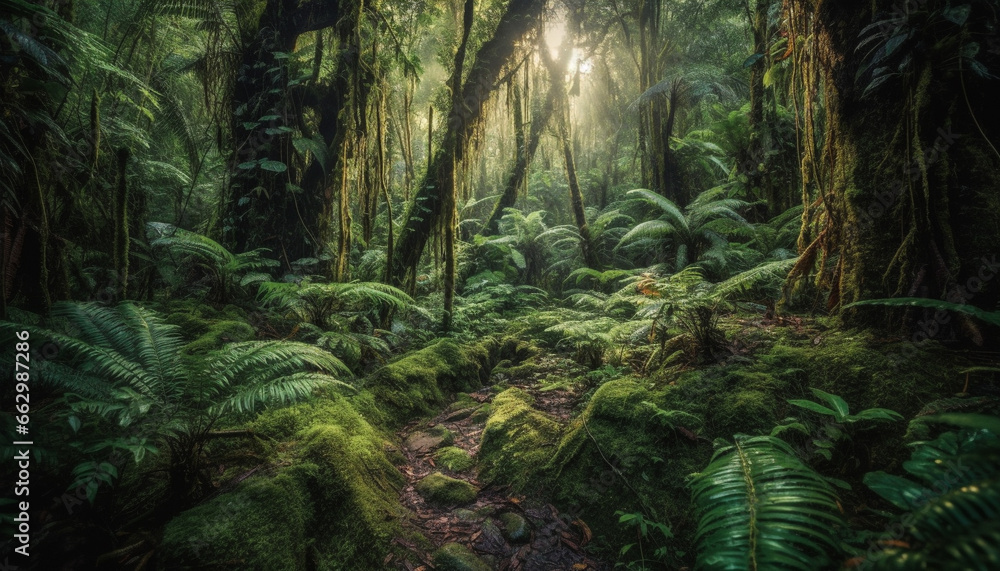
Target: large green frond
{"x": 762, "y": 508}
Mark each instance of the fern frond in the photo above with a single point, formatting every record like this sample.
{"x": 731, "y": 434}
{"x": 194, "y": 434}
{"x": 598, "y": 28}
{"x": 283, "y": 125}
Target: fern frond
{"x": 954, "y": 504}
{"x": 762, "y": 508}
{"x": 991, "y": 317}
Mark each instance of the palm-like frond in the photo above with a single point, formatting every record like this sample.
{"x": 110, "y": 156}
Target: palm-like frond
{"x": 670, "y": 210}
{"x": 768, "y": 274}
{"x": 254, "y": 362}
{"x": 762, "y": 508}
{"x": 316, "y": 302}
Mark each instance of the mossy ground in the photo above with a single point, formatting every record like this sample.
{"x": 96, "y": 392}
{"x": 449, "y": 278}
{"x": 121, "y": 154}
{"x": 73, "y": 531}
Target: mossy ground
{"x": 421, "y": 381}
{"x": 335, "y": 505}
{"x": 615, "y": 455}
{"x": 263, "y": 523}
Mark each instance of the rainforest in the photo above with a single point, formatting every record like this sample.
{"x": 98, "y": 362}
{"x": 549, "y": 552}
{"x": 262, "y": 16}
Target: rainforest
{"x": 472, "y": 285}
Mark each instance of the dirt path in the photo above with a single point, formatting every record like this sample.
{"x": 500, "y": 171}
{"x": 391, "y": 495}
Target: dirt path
{"x": 497, "y": 530}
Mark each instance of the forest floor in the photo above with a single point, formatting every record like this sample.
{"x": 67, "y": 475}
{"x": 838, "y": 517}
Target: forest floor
{"x": 501, "y": 529}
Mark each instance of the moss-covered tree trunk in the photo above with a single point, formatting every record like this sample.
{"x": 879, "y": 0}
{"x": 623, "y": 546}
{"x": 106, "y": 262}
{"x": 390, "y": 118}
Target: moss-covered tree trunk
{"x": 519, "y": 170}
{"x": 265, "y": 208}
{"x": 425, "y": 211}
{"x": 910, "y": 199}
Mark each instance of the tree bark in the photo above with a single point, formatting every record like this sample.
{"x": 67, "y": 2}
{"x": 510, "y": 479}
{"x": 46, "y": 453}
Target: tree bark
{"x": 519, "y": 170}
{"x": 425, "y": 210}
{"x": 910, "y": 202}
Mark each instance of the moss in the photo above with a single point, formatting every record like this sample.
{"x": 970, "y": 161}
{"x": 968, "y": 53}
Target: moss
{"x": 481, "y": 415}
{"x": 439, "y": 489}
{"x": 218, "y": 334}
{"x": 617, "y": 456}
{"x": 260, "y": 525}
{"x": 419, "y": 382}
{"x": 454, "y": 459}
{"x": 744, "y": 412}
{"x": 456, "y": 557}
{"x": 515, "y": 527}
{"x": 356, "y": 493}
{"x": 284, "y": 423}
{"x": 343, "y": 465}
{"x": 517, "y": 439}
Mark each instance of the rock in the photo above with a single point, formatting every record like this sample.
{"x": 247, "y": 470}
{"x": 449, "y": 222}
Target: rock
{"x": 430, "y": 439}
{"x": 461, "y": 414}
{"x": 465, "y": 515}
{"x": 454, "y": 459}
{"x": 456, "y": 557}
{"x": 440, "y": 489}
{"x": 491, "y": 539}
{"x": 515, "y": 527}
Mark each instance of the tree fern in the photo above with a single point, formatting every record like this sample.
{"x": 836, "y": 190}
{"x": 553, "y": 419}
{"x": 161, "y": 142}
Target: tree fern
{"x": 761, "y": 507}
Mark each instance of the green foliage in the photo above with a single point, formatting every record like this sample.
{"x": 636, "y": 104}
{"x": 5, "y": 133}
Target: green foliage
{"x": 951, "y": 500}
{"x": 693, "y": 233}
{"x": 653, "y": 532}
{"x": 125, "y": 365}
{"x": 991, "y": 317}
{"x": 317, "y": 302}
{"x": 760, "y": 507}
{"x": 228, "y": 273}
{"x": 840, "y": 411}
{"x": 838, "y": 426}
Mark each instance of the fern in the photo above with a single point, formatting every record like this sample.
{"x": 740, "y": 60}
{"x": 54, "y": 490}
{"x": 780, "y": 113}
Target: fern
{"x": 762, "y": 508}
{"x": 317, "y": 302}
{"x": 229, "y": 272}
{"x": 124, "y": 364}
{"x": 952, "y": 499}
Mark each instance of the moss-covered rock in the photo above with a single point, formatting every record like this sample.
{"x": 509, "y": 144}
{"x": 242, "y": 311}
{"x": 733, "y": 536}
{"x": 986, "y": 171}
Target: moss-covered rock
{"x": 342, "y": 487}
{"x": 421, "y": 381}
{"x": 429, "y": 439}
{"x": 439, "y": 489}
{"x": 517, "y": 439}
{"x": 515, "y": 527}
{"x": 284, "y": 423}
{"x": 260, "y": 525}
{"x": 457, "y": 557}
{"x": 356, "y": 492}
{"x": 454, "y": 459}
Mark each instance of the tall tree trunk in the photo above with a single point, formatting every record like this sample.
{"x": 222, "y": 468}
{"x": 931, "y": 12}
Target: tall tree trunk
{"x": 425, "y": 210}
{"x": 911, "y": 204}
{"x": 448, "y": 196}
{"x": 261, "y": 209}
{"x": 557, "y": 70}
{"x": 519, "y": 170}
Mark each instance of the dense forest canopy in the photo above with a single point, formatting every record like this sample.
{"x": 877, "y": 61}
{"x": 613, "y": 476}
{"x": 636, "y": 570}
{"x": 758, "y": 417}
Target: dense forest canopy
{"x": 500, "y": 284}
